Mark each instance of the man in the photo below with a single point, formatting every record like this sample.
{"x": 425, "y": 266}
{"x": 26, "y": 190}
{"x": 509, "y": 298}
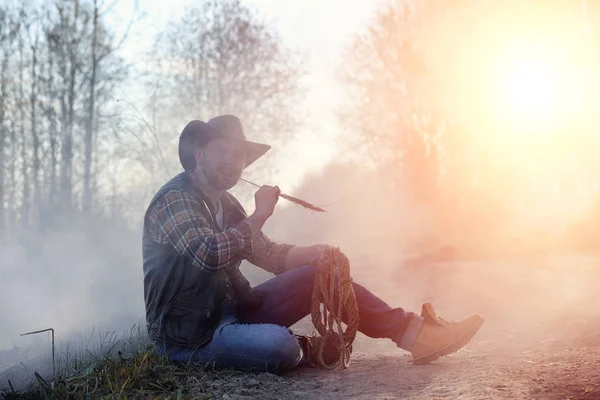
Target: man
{"x": 200, "y": 308}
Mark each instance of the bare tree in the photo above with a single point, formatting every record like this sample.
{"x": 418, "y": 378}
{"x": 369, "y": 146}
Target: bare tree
{"x": 6, "y": 35}
{"x": 26, "y": 185}
{"x": 60, "y": 125}
{"x": 222, "y": 58}
{"x": 393, "y": 127}
{"x": 105, "y": 70}
{"x": 66, "y": 69}
{"x": 68, "y": 38}
{"x": 33, "y": 104}
{"x": 89, "y": 122}
{"x": 49, "y": 92}
{"x": 69, "y": 75}
{"x": 9, "y": 32}
{"x": 415, "y": 108}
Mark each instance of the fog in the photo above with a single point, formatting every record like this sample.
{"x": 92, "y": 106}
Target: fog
{"x": 469, "y": 198}
{"x": 87, "y": 277}
{"x": 536, "y": 283}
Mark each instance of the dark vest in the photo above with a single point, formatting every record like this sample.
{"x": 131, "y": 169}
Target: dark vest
{"x": 183, "y": 302}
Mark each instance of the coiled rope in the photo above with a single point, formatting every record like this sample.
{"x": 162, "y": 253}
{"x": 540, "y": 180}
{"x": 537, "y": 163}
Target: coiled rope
{"x": 327, "y": 312}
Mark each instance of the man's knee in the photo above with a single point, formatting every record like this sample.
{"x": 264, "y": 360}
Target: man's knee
{"x": 285, "y": 348}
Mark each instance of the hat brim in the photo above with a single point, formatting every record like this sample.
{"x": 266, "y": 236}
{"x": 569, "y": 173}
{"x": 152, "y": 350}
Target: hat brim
{"x": 254, "y": 150}
{"x": 230, "y": 126}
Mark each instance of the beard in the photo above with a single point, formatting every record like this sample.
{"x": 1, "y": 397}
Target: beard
{"x": 222, "y": 179}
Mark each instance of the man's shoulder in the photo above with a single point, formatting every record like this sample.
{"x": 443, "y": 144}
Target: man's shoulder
{"x": 177, "y": 185}
{"x": 174, "y": 195}
{"x": 176, "y": 205}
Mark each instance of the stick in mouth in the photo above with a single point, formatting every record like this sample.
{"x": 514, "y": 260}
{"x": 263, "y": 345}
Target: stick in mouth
{"x": 296, "y": 200}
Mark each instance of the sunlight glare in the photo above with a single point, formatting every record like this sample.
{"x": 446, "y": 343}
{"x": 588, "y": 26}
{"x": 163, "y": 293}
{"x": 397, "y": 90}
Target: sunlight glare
{"x": 533, "y": 87}
{"x": 537, "y": 89}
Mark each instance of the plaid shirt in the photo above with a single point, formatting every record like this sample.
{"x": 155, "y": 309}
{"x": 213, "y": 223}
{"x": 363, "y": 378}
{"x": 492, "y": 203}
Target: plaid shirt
{"x": 177, "y": 219}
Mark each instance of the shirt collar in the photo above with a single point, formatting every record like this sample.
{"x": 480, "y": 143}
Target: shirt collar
{"x": 200, "y": 191}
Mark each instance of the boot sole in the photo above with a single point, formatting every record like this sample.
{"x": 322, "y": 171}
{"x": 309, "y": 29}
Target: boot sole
{"x": 452, "y": 347}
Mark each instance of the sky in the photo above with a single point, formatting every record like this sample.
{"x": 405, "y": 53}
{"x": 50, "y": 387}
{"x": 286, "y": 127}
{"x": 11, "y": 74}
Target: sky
{"x": 320, "y": 29}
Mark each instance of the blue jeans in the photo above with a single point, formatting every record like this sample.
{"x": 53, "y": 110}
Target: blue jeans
{"x": 263, "y": 341}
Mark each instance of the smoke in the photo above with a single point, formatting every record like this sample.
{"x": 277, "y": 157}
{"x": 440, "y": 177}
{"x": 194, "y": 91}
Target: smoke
{"x": 81, "y": 277}
{"x": 526, "y": 284}
{"x": 88, "y": 275}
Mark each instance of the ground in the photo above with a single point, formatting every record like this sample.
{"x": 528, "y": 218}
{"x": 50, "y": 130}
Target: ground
{"x": 550, "y": 370}
{"x": 540, "y": 339}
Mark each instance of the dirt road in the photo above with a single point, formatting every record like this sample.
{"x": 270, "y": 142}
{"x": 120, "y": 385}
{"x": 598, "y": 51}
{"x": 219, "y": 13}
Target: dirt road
{"x": 541, "y": 338}
{"x": 551, "y": 370}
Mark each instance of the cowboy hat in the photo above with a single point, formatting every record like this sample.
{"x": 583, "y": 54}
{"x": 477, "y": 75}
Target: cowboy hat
{"x": 198, "y": 133}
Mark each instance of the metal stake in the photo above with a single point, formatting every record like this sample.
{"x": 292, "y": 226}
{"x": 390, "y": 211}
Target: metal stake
{"x": 53, "y": 362}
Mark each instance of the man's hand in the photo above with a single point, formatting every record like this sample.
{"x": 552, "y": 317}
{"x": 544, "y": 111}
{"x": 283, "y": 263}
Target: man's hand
{"x": 320, "y": 251}
{"x": 266, "y": 199}
{"x": 306, "y": 255}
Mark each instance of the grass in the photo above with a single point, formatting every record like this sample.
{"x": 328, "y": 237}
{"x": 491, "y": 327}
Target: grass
{"x": 109, "y": 366}
{"x": 143, "y": 375}
{"x": 121, "y": 368}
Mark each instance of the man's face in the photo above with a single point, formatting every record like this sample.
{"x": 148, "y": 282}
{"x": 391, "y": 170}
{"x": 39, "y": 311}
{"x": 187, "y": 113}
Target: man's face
{"x": 222, "y": 162}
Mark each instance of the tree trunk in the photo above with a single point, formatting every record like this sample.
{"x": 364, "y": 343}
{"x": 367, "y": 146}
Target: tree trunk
{"x": 34, "y": 133}
{"x": 89, "y": 123}
{"x": 3, "y": 93}
{"x": 51, "y": 115}
{"x": 68, "y": 114}
{"x": 12, "y": 190}
{"x": 26, "y": 199}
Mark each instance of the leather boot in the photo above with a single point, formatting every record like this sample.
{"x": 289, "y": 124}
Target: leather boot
{"x": 311, "y": 345}
{"x": 438, "y": 337}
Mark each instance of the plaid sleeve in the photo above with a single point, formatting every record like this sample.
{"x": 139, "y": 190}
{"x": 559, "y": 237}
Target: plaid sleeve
{"x": 269, "y": 255}
{"x": 178, "y": 220}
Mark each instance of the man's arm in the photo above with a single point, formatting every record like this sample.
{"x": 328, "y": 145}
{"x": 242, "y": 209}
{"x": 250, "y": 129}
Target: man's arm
{"x": 181, "y": 224}
{"x": 302, "y": 255}
{"x": 269, "y": 255}
{"x": 277, "y": 258}
{"x": 178, "y": 221}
